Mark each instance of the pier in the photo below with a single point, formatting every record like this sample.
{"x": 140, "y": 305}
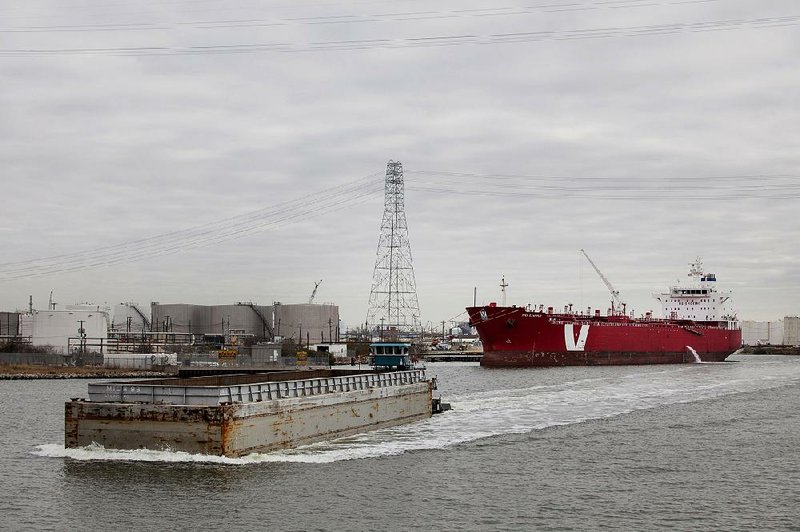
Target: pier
{"x": 452, "y": 357}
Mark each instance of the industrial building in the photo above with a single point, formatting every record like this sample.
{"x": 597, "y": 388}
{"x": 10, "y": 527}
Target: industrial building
{"x": 129, "y": 327}
{"x": 65, "y": 331}
{"x": 779, "y": 332}
{"x": 791, "y": 330}
{"x": 130, "y": 317}
{"x": 308, "y": 322}
{"x": 244, "y": 318}
{"x": 9, "y": 325}
{"x": 303, "y": 322}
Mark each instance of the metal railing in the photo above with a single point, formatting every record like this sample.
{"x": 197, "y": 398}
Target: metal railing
{"x": 250, "y": 392}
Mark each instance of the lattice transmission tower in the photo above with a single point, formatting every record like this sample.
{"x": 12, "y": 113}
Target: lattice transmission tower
{"x": 393, "y": 299}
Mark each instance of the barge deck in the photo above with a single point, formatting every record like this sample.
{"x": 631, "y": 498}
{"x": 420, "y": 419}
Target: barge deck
{"x": 234, "y": 415}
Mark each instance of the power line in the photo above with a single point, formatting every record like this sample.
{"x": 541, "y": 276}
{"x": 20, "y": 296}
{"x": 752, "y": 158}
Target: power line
{"x": 421, "y": 42}
{"x": 681, "y": 188}
{"x": 350, "y": 18}
{"x": 333, "y": 199}
{"x": 609, "y": 195}
{"x": 767, "y": 186}
{"x": 563, "y": 177}
{"x": 225, "y": 225}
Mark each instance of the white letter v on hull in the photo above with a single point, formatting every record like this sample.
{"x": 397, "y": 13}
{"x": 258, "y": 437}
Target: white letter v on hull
{"x": 569, "y": 337}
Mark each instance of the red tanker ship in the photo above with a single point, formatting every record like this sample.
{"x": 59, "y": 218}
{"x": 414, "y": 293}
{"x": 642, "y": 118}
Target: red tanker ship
{"x": 694, "y": 331}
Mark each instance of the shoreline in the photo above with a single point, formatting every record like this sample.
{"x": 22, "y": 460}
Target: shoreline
{"x": 34, "y": 372}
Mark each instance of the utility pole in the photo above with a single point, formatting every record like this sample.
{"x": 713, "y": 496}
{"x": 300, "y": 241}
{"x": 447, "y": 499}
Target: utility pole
{"x": 82, "y": 334}
{"x": 330, "y": 329}
{"x": 443, "y": 336}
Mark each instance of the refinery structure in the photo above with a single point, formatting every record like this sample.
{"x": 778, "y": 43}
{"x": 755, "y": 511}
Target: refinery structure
{"x": 129, "y": 327}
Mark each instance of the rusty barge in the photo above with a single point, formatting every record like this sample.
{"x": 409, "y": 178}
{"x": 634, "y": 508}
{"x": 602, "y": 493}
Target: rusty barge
{"x": 235, "y": 415}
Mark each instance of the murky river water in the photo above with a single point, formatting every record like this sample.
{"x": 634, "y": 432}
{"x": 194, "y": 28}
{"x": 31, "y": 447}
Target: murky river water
{"x": 686, "y": 447}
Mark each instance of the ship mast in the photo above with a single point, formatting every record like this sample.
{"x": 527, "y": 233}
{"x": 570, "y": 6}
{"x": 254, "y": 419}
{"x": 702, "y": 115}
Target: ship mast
{"x": 616, "y": 302}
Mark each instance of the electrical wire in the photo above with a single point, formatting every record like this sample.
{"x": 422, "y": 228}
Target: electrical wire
{"x": 341, "y": 18}
{"x": 418, "y": 42}
{"x": 705, "y": 188}
{"x": 331, "y": 200}
{"x": 769, "y": 186}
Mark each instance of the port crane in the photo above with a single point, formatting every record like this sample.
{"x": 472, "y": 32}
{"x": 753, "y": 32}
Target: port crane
{"x": 316, "y": 286}
{"x": 616, "y": 302}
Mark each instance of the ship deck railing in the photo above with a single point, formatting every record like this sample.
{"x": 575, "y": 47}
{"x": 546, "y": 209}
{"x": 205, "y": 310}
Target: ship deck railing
{"x": 214, "y": 395}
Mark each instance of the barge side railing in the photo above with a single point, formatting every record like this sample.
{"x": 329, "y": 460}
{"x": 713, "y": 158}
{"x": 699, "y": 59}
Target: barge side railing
{"x": 247, "y": 393}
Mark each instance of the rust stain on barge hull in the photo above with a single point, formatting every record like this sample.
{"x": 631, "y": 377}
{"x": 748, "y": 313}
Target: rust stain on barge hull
{"x": 240, "y": 428}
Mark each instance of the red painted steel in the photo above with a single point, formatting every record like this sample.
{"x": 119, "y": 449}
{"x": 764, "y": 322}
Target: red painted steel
{"x": 518, "y": 337}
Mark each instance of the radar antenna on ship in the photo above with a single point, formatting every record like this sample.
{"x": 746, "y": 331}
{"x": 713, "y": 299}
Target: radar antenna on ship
{"x": 616, "y": 302}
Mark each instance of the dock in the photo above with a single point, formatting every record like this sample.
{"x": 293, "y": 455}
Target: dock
{"x": 452, "y": 357}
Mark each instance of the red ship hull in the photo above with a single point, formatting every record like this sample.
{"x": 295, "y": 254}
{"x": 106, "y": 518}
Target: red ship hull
{"x": 516, "y": 337}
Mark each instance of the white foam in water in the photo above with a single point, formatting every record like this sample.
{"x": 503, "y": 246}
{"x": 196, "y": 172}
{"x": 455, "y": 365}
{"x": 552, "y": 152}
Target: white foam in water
{"x": 98, "y": 452}
{"x": 483, "y": 414}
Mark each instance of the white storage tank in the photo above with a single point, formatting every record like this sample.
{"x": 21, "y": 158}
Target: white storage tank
{"x": 791, "y": 330}
{"x": 55, "y": 327}
{"x": 762, "y": 332}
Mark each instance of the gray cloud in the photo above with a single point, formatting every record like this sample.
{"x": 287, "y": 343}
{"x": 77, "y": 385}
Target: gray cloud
{"x": 99, "y": 149}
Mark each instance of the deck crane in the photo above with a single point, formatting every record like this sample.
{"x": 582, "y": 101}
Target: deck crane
{"x": 316, "y": 286}
{"x": 616, "y": 302}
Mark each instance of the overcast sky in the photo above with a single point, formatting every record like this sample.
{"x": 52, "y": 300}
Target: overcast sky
{"x": 647, "y": 132}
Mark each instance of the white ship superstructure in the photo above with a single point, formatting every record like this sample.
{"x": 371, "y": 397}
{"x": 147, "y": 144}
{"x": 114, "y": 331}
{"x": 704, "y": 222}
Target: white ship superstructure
{"x": 699, "y": 300}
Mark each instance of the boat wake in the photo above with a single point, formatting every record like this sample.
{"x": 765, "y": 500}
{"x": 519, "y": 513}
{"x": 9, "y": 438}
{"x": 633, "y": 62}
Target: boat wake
{"x": 495, "y": 412}
{"x": 98, "y": 452}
